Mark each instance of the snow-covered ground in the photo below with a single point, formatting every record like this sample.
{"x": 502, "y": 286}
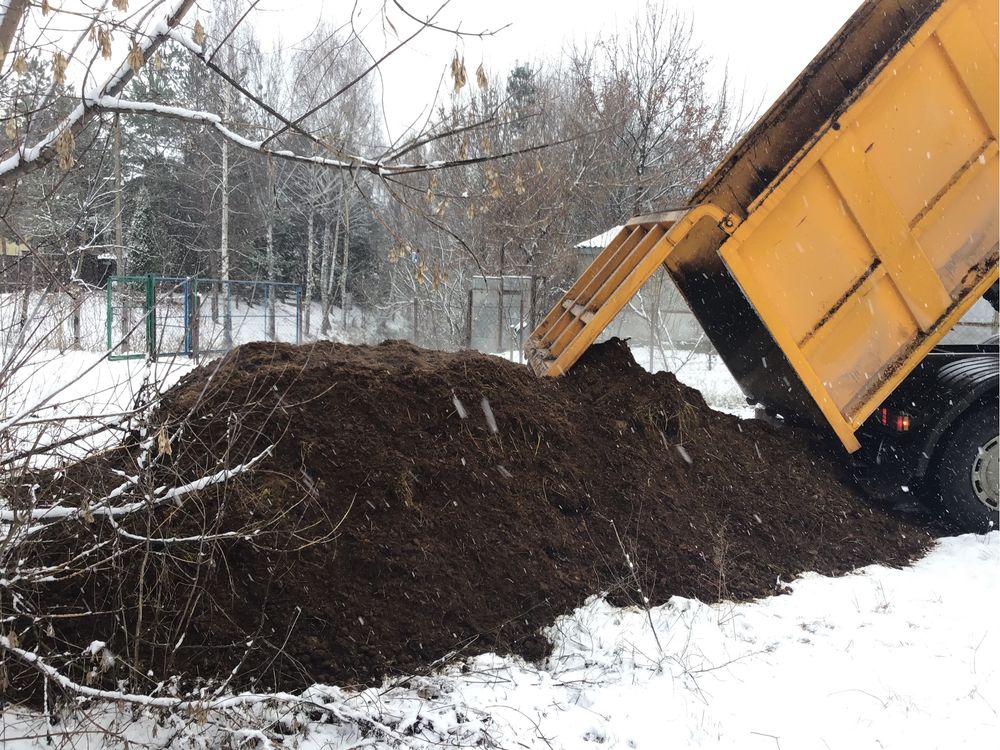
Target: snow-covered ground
{"x": 705, "y": 372}
{"x": 55, "y": 395}
{"x": 881, "y": 658}
{"x": 50, "y": 322}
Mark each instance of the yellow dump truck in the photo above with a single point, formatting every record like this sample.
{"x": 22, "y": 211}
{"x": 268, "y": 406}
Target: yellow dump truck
{"x": 837, "y": 243}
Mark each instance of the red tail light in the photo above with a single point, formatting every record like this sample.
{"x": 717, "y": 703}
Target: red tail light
{"x": 893, "y": 420}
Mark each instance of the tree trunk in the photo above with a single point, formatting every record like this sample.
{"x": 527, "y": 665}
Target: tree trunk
{"x": 654, "y": 318}
{"x": 347, "y": 250}
{"x": 343, "y": 265}
{"x": 227, "y": 312}
{"x": 325, "y": 274}
{"x": 213, "y": 273}
{"x": 119, "y": 238}
{"x": 270, "y": 277}
{"x": 307, "y": 297}
{"x": 331, "y": 279}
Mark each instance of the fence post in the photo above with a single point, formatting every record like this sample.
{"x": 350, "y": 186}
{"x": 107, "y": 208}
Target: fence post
{"x": 195, "y": 318}
{"x": 269, "y": 327}
{"x": 150, "y": 317}
{"x": 500, "y": 316}
{"x": 298, "y": 315}
{"x": 111, "y": 313}
{"x": 468, "y": 321}
{"x": 186, "y": 344}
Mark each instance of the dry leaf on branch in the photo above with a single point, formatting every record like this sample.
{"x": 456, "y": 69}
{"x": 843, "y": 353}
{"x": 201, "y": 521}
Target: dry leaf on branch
{"x": 481, "y": 77}
{"x": 120, "y": 4}
{"x": 458, "y": 72}
{"x": 59, "y": 68}
{"x": 440, "y": 277}
{"x": 104, "y": 42}
{"x": 199, "y": 34}
{"x": 20, "y": 65}
{"x": 65, "y": 144}
{"x": 45, "y": 7}
{"x": 10, "y": 129}
{"x": 163, "y": 443}
{"x": 493, "y": 182}
{"x": 135, "y": 57}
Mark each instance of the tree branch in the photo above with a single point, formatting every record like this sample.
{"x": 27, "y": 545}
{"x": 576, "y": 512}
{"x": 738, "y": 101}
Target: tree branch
{"x": 21, "y": 160}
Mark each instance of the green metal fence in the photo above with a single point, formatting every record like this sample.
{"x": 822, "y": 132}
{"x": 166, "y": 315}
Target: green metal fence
{"x": 156, "y": 316}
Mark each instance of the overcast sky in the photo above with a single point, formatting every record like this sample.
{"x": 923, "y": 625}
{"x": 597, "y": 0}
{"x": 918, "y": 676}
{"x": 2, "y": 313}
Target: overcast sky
{"x": 764, "y": 43}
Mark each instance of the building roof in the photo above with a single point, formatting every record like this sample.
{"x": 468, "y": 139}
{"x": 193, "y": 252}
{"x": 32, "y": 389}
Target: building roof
{"x": 600, "y": 241}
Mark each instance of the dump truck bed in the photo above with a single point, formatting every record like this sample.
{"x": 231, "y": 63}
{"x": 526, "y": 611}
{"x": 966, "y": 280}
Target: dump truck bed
{"x": 845, "y": 234}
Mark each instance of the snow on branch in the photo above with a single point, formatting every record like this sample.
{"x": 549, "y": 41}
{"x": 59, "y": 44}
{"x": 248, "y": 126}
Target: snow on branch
{"x": 186, "y": 705}
{"x": 355, "y": 163}
{"x": 163, "y": 495}
{"x": 22, "y": 160}
{"x": 106, "y": 97}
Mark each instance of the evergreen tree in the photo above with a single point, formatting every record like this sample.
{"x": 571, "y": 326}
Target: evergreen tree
{"x": 141, "y": 239}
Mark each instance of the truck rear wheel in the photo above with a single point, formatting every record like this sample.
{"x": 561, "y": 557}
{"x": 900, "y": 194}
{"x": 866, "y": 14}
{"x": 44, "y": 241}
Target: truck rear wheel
{"x": 969, "y": 472}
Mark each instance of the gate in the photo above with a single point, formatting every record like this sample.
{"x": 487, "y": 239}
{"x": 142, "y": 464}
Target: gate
{"x": 156, "y": 316}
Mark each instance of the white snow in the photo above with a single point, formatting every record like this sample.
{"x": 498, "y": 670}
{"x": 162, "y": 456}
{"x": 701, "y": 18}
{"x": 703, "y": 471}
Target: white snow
{"x": 704, "y": 372}
{"x": 602, "y": 240}
{"x": 882, "y": 658}
{"x": 76, "y": 392}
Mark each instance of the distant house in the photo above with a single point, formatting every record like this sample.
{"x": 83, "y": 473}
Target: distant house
{"x": 95, "y": 269}
{"x": 11, "y": 248}
{"x": 15, "y": 271}
{"x": 677, "y": 326}
{"x": 17, "y": 266}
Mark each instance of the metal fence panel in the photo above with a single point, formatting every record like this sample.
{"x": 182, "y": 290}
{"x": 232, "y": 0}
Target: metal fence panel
{"x": 169, "y": 316}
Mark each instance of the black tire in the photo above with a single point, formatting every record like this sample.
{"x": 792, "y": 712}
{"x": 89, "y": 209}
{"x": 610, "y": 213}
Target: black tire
{"x": 967, "y": 471}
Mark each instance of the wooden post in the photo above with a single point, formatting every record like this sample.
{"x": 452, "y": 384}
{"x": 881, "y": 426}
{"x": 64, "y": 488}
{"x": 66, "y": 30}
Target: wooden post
{"x": 468, "y": 321}
{"x": 195, "y": 319}
{"x": 76, "y": 301}
{"x": 500, "y": 315}
{"x": 415, "y": 313}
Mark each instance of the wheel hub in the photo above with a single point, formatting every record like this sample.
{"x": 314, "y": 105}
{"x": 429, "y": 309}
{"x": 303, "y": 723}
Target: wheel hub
{"x": 986, "y": 474}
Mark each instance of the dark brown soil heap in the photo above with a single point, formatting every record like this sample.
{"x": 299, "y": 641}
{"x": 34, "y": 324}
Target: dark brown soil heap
{"x": 392, "y": 524}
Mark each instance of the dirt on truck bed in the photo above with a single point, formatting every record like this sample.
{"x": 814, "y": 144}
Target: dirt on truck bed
{"x": 409, "y": 504}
